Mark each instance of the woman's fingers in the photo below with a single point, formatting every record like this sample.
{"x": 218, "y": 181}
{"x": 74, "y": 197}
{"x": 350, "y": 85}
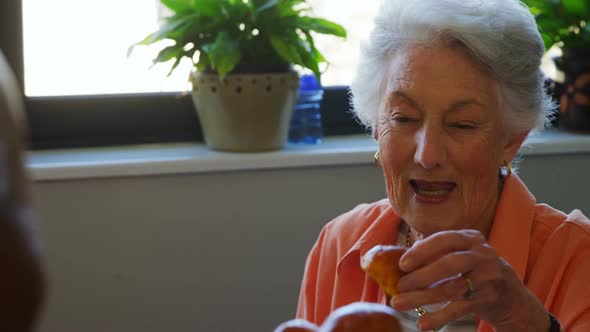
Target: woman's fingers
{"x": 437, "y": 258}
{"x": 447, "y": 266}
{"x": 448, "y": 290}
{"x": 455, "y": 267}
{"x": 439, "y": 244}
{"x": 460, "y": 268}
{"x": 484, "y": 299}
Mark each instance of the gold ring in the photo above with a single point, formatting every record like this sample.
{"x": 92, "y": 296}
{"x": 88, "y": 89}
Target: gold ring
{"x": 470, "y": 290}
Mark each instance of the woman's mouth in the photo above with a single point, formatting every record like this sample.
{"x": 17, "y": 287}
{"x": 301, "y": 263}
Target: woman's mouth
{"x": 432, "y": 191}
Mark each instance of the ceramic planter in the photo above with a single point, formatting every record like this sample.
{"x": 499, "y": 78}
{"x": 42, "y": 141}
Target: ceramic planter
{"x": 245, "y": 112}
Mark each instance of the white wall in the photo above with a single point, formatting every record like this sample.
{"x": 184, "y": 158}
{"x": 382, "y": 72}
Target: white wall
{"x": 212, "y": 252}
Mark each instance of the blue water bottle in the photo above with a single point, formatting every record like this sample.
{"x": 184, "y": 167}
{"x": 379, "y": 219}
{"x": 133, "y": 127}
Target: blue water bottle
{"x": 306, "y": 122}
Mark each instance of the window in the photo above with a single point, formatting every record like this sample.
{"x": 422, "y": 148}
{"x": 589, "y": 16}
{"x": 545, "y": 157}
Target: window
{"x": 63, "y": 112}
{"x": 88, "y": 54}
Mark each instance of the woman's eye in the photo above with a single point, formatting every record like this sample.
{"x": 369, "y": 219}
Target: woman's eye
{"x": 461, "y": 125}
{"x": 403, "y": 119}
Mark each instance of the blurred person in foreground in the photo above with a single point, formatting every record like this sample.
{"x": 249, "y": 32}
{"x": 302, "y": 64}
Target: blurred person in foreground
{"x": 22, "y": 284}
{"x": 451, "y": 89}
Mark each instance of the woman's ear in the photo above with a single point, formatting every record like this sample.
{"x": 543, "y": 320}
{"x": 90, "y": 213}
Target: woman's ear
{"x": 513, "y": 144}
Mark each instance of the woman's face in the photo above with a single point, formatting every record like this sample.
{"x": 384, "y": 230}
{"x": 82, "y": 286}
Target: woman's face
{"x": 442, "y": 140}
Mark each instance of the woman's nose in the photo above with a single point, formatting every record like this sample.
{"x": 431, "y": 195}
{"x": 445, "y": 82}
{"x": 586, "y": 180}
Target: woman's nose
{"x": 430, "y": 148}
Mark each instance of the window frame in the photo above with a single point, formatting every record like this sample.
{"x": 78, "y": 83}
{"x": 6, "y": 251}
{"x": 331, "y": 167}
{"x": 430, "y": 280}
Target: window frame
{"x": 125, "y": 119}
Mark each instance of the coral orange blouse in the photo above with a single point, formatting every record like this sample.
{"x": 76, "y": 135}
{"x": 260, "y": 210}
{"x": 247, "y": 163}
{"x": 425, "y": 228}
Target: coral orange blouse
{"x": 549, "y": 250}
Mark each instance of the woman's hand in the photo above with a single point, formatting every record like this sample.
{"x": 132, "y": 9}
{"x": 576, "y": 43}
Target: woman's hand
{"x": 440, "y": 268}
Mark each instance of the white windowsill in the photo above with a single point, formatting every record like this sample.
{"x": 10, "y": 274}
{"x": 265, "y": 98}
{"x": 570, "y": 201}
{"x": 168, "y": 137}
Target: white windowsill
{"x": 183, "y": 158}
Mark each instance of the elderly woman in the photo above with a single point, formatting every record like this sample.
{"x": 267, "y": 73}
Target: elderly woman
{"x": 21, "y": 277}
{"x": 451, "y": 89}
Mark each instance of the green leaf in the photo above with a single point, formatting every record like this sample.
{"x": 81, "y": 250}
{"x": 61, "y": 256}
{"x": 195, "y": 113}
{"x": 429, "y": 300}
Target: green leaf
{"x": 321, "y": 25}
{"x": 210, "y": 8}
{"x": 161, "y": 34}
{"x": 291, "y": 8}
{"x": 540, "y": 4}
{"x": 293, "y": 3}
{"x": 307, "y": 57}
{"x": 235, "y": 9}
{"x": 151, "y": 38}
{"x": 314, "y": 51}
{"x": 203, "y": 62}
{"x": 548, "y": 41}
{"x": 177, "y": 6}
{"x": 170, "y": 27}
{"x": 224, "y": 54}
{"x": 287, "y": 50}
{"x": 579, "y": 8}
{"x": 268, "y": 5}
{"x": 182, "y": 30}
{"x": 168, "y": 53}
{"x": 550, "y": 25}
{"x": 176, "y": 63}
{"x": 284, "y": 4}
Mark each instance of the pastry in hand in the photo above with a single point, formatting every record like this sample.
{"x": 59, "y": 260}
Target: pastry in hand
{"x": 362, "y": 316}
{"x": 382, "y": 264}
{"x": 297, "y": 325}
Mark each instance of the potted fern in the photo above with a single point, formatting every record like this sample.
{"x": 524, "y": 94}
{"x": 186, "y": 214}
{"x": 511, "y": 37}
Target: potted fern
{"x": 566, "y": 24}
{"x": 244, "y": 53}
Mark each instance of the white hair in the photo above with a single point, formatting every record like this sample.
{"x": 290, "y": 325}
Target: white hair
{"x": 502, "y": 35}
